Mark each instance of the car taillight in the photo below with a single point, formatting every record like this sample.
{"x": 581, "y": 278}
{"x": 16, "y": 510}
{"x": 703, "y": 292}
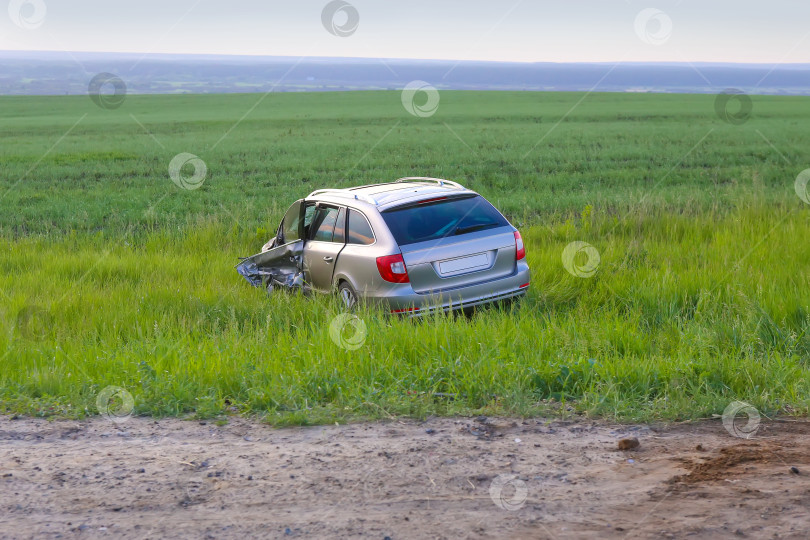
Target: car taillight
{"x": 392, "y": 269}
{"x": 520, "y": 251}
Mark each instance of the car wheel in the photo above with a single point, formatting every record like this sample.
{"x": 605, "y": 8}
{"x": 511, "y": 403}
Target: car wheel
{"x": 347, "y": 295}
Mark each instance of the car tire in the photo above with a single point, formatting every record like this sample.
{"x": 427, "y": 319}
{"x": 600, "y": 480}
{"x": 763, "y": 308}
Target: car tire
{"x": 347, "y": 295}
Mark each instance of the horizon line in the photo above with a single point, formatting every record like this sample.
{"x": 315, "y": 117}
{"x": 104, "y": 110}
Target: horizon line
{"x": 398, "y": 59}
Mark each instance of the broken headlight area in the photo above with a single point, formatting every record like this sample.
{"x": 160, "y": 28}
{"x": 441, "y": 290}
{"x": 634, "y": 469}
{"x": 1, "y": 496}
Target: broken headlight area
{"x": 278, "y": 267}
{"x": 288, "y": 278}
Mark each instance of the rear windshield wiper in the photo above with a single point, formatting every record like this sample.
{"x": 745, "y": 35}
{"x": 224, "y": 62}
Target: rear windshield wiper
{"x": 471, "y": 228}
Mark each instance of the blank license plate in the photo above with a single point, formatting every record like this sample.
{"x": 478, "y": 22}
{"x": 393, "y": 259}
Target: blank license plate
{"x": 456, "y": 266}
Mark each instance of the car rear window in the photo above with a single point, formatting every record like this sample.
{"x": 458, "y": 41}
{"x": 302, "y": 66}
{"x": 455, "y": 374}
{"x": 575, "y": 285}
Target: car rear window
{"x": 442, "y": 218}
{"x": 359, "y": 229}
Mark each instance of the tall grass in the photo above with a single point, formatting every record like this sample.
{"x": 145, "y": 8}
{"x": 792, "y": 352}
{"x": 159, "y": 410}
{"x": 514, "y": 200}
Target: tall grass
{"x": 522, "y": 150}
{"x": 112, "y": 275}
{"x": 683, "y": 315}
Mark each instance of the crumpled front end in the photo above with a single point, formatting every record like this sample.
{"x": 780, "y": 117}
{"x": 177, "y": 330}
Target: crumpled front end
{"x": 290, "y": 278}
{"x": 278, "y": 267}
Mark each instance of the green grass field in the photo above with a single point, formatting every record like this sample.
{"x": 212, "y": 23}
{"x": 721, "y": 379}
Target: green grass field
{"x": 113, "y": 275}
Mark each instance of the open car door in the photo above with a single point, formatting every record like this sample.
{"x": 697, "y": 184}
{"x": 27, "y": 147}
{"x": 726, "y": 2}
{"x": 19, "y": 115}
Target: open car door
{"x": 280, "y": 262}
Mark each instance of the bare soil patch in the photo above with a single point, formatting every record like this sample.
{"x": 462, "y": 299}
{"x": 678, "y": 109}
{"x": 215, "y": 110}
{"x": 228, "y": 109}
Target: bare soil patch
{"x": 443, "y": 478}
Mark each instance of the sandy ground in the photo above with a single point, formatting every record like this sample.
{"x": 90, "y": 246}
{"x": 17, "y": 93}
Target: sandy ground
{"x": 444, "y": 478}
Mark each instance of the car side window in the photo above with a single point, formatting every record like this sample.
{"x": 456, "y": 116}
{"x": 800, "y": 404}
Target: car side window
{"x": 291, "y": 224}
{"x": 359, "y": 229}
{"x": 324, "y": 223}
{"x": 309, "y": 214}
{"x": 340, "y": 227}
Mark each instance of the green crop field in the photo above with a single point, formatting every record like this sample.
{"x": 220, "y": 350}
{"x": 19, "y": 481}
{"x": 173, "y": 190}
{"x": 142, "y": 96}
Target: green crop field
{"x": 695, "y": 293}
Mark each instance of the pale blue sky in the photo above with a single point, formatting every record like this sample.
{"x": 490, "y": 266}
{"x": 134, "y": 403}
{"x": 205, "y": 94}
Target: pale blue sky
{"x": 773, "y": 31}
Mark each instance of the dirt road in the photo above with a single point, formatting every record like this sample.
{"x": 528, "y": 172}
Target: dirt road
{"x": 444, "y": 478}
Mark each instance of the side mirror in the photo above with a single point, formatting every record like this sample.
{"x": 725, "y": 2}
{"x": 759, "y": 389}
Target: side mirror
{"x": 269, "y": 245}
{"x": 280, "y": 235}
{"x": 278, "y": 240}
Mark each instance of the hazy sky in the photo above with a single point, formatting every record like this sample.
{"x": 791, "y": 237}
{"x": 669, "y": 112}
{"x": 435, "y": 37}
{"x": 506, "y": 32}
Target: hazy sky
{"x": 529, "y": 30}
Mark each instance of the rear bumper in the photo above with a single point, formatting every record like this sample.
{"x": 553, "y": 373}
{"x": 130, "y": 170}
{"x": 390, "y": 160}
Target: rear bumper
{"x": 402, "y": 299}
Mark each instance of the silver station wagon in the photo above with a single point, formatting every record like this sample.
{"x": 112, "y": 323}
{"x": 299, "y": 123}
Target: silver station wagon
{"x": 413, "y": 246}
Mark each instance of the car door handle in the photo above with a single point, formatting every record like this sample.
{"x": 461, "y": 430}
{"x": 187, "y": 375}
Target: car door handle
{"x": 328, "y": 259}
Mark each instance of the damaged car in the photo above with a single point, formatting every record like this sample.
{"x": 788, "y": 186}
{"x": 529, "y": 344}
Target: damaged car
{"x": 413, "y": 246}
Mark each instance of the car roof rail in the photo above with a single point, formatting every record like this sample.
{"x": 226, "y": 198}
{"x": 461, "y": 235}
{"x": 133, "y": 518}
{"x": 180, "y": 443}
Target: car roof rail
{"x": 344, "y": 193}
{"x": 439, "y": 181}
